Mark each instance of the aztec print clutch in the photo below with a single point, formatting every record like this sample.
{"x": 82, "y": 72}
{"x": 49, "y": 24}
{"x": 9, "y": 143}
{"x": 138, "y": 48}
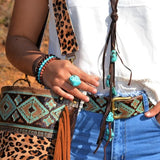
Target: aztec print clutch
{"x": 29, "y": 122}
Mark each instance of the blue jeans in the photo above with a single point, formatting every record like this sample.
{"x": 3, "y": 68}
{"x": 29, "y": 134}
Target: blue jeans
{"x": 136, "y": 138}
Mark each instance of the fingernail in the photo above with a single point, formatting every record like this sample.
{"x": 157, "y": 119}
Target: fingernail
{"x": 94, "y": 91}
{"x": 87, "y": 99}
{"x": 71, "y": 97}
{"x": 147, "y": 113}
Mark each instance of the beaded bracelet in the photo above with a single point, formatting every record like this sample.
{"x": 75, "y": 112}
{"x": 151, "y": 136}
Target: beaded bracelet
{"x": 37, "y": 63}
{"x": 42, "y": 68}
{"x": 40, "y": 65}
{"x": 40, "y": 80}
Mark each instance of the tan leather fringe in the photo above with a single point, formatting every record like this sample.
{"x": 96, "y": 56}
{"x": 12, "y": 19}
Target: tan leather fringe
{"x": 63, "y": 143}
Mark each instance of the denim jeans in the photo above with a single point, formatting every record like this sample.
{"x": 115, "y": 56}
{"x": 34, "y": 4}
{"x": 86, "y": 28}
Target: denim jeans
{"x": 136, "y": 138}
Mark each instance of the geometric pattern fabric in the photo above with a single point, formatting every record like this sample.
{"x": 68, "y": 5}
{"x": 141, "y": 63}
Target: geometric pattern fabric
{"x": 32, "y": 110}
{"x": 122, "y": 108}
{"x": 33, "y": 113}
{"x": 39, "y": 114}
{"x": 7, "y": 107}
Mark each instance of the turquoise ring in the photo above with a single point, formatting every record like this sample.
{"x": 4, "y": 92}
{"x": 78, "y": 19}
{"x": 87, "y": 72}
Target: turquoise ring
{"x": 74, "y": 80}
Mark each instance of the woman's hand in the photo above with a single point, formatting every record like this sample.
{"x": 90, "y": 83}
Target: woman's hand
{"x": 56, "y": 77}
{"x": 155, "y": 111}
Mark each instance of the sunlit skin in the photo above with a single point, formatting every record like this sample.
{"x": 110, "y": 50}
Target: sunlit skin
{"x": 26, "y": 23}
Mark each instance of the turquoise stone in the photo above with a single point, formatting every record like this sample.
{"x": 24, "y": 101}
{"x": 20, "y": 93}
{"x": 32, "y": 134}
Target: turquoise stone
{"x": 108, "y": 81}
{"x": 113, "y": 56}
{"x": 114, "y": 51}
{"x": 107, "y": 135}
{"x": 114, "y": 92}
{"x": 75, "y": 80}
{"x": 110, "y": 117}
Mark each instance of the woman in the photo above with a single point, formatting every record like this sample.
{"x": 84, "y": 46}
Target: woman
{"x": 137, "y": 41}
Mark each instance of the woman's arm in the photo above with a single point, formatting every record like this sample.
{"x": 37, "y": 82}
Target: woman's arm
{"x": 26, "y": 23}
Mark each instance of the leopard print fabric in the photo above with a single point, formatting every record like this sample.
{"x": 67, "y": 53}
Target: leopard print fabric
{"x": 15, "y": 146}
{"x": 65, "y": 32}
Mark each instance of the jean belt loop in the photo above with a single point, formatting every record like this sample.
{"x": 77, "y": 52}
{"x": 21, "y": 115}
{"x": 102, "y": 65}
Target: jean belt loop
{"x": 145, "y": 102}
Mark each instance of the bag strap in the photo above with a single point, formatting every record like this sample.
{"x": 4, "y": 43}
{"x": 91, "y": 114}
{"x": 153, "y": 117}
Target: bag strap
{"x": 65, "y": 30}
{"x": 68, "y": 47}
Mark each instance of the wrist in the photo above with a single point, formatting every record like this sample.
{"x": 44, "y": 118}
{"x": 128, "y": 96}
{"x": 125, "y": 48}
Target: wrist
{"x": 40, "y": 65}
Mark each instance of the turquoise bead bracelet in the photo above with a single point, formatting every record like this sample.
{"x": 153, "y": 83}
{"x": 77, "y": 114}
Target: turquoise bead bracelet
{"x": 41, "y": 65}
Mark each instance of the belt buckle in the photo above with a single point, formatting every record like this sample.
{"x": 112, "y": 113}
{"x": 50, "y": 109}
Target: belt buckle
{"x": 115, "y": 109}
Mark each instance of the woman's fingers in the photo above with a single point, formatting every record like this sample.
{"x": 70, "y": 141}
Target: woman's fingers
{"x": 69, "y": 92}
{"x": 95, "y": 77}
{"x": 90, "y": 79}
{"x": 86, "y": 87}
{"x": 62, "y": 93}
{"x": 75, "y": 92}
{"x": 56, "y": 76}
{"x": 93, "y": 80}
{"x": 154, "y": 111}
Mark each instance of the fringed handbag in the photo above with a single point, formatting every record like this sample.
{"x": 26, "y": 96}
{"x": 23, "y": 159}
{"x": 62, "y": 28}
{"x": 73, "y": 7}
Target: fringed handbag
{"x": 29, "y": 123}
{"x": 29, "y": 117}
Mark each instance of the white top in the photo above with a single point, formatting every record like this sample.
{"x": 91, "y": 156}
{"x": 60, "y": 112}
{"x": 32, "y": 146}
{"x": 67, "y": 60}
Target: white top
{"x": 138, "y": 34}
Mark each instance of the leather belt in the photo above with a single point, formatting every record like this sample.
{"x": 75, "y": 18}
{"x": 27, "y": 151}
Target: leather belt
{"x": 122, "y": 107}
